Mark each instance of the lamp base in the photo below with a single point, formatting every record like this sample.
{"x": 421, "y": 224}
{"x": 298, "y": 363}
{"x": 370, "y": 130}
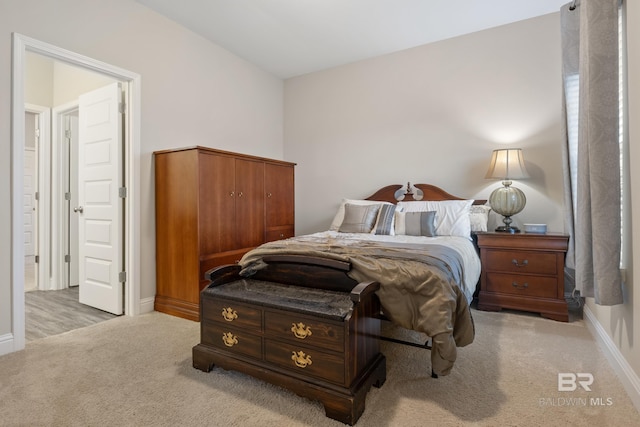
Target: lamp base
{"x": 507, "y": 229}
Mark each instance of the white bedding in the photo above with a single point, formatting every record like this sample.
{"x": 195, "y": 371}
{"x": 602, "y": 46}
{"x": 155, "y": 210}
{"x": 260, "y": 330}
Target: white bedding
{"x": 464, "y": 246}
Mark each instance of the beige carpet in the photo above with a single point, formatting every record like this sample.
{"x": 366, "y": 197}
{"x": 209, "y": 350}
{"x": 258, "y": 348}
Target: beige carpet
{"x": 137, "y": 372}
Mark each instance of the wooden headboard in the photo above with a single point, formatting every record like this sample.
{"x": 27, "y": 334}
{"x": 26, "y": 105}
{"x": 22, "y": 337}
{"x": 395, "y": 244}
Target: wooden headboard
{"x": 430, "y": 192}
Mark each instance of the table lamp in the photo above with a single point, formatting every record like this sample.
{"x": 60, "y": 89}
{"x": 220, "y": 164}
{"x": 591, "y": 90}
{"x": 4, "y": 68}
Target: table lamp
{"x": 507, "y": 164}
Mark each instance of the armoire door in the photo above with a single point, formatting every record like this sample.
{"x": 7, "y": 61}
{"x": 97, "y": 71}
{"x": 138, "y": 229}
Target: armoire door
{"x": 278, "y": 180}
{"x": 217, "y": 203}
{"x": 249, "y": 176}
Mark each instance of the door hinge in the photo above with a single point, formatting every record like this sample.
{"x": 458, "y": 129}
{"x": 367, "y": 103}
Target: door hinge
{"x": 67, "y": 258}
{"x": 122, "y": 276}
{"x": 37, "y": 133}
{"x": 67, "y": 134}
{"x": 122, "y": 192}
{"x": 37, "y": 195}
{"x": 67, "y": 196}
{"x": 121, "y": 107}
{"x": 37, "y": 259}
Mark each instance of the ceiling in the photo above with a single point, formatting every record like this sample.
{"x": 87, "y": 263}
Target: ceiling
{"x": 293, "y": 37}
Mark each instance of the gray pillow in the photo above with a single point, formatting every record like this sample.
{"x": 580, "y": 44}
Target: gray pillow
{"x": 358, "y": 218}
{"x": 420, "y": 223}
{"x": 385, "y": 219}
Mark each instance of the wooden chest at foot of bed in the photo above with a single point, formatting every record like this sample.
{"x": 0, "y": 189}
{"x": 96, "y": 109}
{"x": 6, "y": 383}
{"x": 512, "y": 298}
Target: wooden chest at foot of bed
{"x": 321, "y": 344}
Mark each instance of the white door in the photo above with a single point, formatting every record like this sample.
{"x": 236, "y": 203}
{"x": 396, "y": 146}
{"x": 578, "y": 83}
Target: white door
{"x": 30, "y": 222}
{"x": 100, "y": 209}
{"x": 31, "y": 121}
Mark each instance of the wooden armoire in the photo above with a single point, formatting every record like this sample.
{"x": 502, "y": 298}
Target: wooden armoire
{"x": 212, "y": 207}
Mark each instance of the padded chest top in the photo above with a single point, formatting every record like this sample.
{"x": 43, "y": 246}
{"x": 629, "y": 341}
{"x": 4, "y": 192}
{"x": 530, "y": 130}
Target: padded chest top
{"x": 319, "y": 302}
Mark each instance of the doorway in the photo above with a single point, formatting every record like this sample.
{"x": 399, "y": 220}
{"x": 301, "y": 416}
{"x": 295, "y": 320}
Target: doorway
{"x": 129, "y": 161}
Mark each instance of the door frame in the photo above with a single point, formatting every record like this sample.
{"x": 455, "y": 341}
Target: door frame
{"x": 22, "y": 44}
{"x": 59, "y": 207}
{"x": 43, "y": 210}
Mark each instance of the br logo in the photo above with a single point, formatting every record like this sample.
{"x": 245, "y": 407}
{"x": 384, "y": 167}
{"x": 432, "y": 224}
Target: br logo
{"x": 568, "y": 381}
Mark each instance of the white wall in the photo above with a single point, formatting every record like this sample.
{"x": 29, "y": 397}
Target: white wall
{"x": 193, "y": 93}
{"x": 69, "y": 82}
{"x": 38, "y": 88}
{"x": 431, "y": 114}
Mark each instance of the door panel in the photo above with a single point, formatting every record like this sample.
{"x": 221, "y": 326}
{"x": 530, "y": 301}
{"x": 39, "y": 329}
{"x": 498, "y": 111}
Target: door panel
{"x": 30, "y": 222}
{"x": 249, "y": 203}
{"x": 279, "y": 190}
{"x": 100, "y": 213}
{"x": 217, "y": 209}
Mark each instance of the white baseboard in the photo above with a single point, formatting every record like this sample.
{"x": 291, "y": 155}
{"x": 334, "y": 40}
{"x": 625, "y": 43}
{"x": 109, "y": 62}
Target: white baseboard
{"x": 146, "y": 305}
{"x": 6, "y": 344}
{"x": 623, "y": 370}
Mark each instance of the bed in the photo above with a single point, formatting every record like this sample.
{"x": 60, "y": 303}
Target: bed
{"x": 416, "y": 241}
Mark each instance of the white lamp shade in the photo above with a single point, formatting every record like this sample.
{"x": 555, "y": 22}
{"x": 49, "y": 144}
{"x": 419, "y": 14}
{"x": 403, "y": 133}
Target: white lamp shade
{"x": 507, "y": 164}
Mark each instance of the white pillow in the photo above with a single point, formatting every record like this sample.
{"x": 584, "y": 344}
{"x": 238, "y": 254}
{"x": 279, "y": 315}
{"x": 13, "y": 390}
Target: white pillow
{"x": 339, "y": 217}
{"x": 479, "y": 217}
{"x": 452, "y": 216}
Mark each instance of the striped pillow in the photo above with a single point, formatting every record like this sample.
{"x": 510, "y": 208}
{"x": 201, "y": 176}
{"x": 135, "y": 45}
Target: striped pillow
{"x": 416, "y": 223}
{"x": 359, "y": 219}
{"x": 384, "y": 225}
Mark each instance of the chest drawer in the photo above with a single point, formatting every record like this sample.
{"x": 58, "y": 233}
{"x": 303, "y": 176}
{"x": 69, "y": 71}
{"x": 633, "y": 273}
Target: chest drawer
{"x": 304, "y": 330}
{"x": 233, "y": 313}
{"x": 522, "y": 262}
{"x": 306, "y": 360}
{"x": 522, "y": 285}
{"x": 231, "y": 339}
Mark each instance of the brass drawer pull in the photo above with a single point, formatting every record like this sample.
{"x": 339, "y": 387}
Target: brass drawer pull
{"x": 300, "y": 330}
{"x": 517, "y": 264}
{"x": 301, "y": 359}
{"x": 229, "y": 339}
{"x": 229, "y": 314}
{"x": 517, "y": 286}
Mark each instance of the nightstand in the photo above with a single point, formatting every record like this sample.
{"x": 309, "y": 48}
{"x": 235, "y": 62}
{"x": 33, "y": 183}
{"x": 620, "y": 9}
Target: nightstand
{"x": 523, "y": 271}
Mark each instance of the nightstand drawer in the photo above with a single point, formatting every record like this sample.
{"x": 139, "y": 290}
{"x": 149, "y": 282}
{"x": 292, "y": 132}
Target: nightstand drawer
{"x": 234, "y": 314}
{"x": 232, "y": 340}
{"x": 304, "y": 330}
{"x": 522, "y": 262}
{"x": 530, "y": 286}
{"x": 306, "y": 361}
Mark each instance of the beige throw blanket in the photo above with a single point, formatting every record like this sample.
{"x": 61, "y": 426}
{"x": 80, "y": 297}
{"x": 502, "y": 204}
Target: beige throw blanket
{"x": 418, "y": 285}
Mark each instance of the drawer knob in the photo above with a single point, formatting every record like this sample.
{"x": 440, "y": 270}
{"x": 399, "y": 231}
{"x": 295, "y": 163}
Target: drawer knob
{"x": 301, "y": 359}
{"x": 229, "y": 339}
{"x": 518, "y": 286}
{"x": 229, "y": 314}
{"x": 300, "y": 330}
{"x": 518, "y": 264}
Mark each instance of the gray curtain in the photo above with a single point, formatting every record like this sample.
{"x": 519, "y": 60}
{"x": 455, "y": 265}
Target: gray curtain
{"x": 590, "y": 49}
